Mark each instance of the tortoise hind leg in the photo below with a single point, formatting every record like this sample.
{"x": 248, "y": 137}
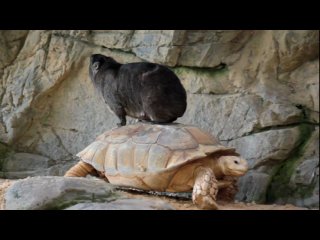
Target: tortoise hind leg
{"x": 205, "y": 189}
{"x": 81, "y": 169}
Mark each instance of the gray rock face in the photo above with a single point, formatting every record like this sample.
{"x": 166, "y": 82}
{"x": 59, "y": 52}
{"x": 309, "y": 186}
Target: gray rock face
{"x": 253, "y": 187}
{"x": 124, "y": 204}
{"x": 306, "y": 172}
{"x": 21, "y": 165}
{"x": 297, "y": 180}
{"x": 38, "y": 193}
{"x": 45, "y": 193}
{"x": 254, "y": 90}
{"x": 268, "y": 147}
{"x": 11, "y": 43}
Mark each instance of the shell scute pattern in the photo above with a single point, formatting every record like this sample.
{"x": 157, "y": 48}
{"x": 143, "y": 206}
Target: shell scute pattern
{"x": 148, "y": 148}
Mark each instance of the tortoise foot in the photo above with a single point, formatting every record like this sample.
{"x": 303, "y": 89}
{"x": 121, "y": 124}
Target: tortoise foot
{"x": 206, "y": 203}
{"x": 205, "y": 189}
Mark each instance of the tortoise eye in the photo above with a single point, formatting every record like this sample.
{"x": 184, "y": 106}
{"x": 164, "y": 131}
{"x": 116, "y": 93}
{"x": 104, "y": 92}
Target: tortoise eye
{"x": 236, "y": 161}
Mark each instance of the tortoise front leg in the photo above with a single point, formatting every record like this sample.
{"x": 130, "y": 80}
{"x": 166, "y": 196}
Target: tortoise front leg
{"x": 205, "y": 189}
{"x": 81, "y": 169}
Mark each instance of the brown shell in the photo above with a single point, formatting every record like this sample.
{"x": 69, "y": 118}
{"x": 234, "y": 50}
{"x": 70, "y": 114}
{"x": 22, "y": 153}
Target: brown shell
{"x": 149, "y": 148}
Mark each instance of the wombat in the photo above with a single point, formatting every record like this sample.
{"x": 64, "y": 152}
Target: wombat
{"x": 146, "y": 91}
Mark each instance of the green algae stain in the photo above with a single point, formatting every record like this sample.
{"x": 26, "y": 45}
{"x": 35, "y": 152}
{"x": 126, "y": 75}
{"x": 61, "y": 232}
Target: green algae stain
{"x": 280, "y": 187}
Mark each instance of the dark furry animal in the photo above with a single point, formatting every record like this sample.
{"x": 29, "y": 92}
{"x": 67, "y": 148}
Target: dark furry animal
{"x": 146, "y": 91}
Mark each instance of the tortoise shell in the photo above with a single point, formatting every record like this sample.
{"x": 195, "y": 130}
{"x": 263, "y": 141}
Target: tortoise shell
{"x": 148, "y": 148}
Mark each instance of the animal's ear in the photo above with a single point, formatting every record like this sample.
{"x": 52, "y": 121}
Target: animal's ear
{"x": 96, "y": 65}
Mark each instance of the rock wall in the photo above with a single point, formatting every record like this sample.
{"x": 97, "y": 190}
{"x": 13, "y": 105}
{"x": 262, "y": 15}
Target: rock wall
{"x": 255, "y": 90}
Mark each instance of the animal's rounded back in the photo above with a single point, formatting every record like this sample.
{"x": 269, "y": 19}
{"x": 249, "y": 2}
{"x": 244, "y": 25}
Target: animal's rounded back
{"x": 146, "y": 91}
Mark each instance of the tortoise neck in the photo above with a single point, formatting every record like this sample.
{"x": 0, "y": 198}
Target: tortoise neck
{"x": 217, "y": 168}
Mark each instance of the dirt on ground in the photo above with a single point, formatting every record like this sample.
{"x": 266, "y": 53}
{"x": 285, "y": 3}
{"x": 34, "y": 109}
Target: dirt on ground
{"x": 179, "y": 204}
{"x": 188, "y": 205}
{"x": 4, "y": 184}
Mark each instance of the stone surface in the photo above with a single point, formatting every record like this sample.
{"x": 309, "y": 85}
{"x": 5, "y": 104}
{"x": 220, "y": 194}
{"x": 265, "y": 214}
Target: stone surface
{"x": 165, "y": 202}
{"x": 297, "y": 179}
{"x": 226, "y": 116}
{"x": 306, "y": 172}
{"x": 124, "y": 204}
{"x": 118, "y": 39}
{"x": 250, "y": 88}
{"x": 304, "y": 85}
{"x": 4, "y": 152}
{"x": 268, "y": 147}
{"x": 312, "y": 200}
{"x": 39, "y": 193}
{"x": 21, "y": 165}
{"x": 253, "y": 187}
{"x": 236, "y": 115}
{"x": 157, "y": 45}
{"x": 11, "y": 42}
{"x": 296, "y": 46}
{"x": 210, "y": 48}
{"x": 206, "y": 81}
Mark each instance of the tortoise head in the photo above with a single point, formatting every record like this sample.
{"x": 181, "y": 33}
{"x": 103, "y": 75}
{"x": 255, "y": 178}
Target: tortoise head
{"x": 233, "y": 165}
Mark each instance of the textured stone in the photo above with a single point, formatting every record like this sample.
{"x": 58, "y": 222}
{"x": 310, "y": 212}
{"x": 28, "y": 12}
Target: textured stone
{"x": 21, "y": 165}
{"x": 124, "y": 204}
{"x": 232, "y": 116}
{"x": 297, "y": 178}
{"x": 306, "y": 172}
{"x": 296, "y": 47}
{"x": 312, "y": 146}
{"x": 83, "y": 35}
{"x": 253, "y": 187}
{"x": 22, "y": 84}
{"x": 226, "y": 117}
{"x": 56, "y": 193}
{"x": 118, "y": 39}
{"x": 43, "y": 88}
{"x": 276, "y": 114}
{"x": 157, "y": 46}
{"x": 267, "y": 148}
{"x": 311, "y": 201}
{"x": 210, "y": 48}
{"x": 204, "y": 81}
{"x": 4, "y": 151}
{"x": 304, "y": 85}
{"x": 11, "y": 42}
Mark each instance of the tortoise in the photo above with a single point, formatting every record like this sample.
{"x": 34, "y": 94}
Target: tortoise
{"x": 167, "y": 158}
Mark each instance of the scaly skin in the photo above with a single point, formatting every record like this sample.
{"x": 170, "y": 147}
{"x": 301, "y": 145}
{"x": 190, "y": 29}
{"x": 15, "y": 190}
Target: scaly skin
{"x": 227, "y": 188}
{"x": 205, "y": 189}
{"x": 81, "y": 169}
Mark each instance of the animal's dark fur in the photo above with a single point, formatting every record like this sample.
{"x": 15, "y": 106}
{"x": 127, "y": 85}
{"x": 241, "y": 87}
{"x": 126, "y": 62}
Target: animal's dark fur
{"x": 145, "y": 91}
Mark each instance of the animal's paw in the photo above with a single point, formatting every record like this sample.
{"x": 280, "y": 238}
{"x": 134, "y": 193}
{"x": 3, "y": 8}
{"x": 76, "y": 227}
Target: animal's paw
{"x": 120, "y": 124}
